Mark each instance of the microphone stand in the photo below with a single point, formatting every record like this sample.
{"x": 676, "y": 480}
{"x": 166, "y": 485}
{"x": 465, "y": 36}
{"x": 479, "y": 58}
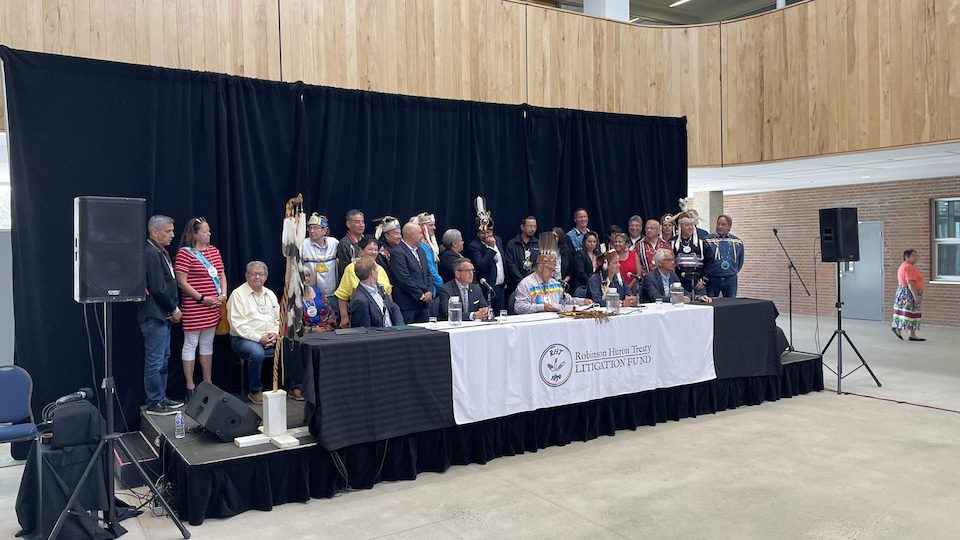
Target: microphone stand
{"x": 791, "y": 269}
{"x": 489, "y": 300}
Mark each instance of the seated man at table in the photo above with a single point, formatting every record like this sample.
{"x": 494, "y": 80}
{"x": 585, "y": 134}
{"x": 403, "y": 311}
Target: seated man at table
{"x": 471, "y": 296}
{"x": 656, "y": 284}
{"x": 370, "y": 306}
{"x": 539, "y": 291}
{"x": 254, "y": 315}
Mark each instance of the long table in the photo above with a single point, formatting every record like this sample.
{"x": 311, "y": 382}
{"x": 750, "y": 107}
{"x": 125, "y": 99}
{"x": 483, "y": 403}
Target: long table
{"x": 392, "y": 382}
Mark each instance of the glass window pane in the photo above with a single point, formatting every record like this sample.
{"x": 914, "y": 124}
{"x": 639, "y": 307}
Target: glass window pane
{"x": 947, "y": 214}
{"x": 948, "y": 260}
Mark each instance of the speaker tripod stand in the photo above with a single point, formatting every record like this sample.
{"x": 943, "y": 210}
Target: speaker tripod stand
{"x": 840, "y": 334}
{"x": 107, "y": 448}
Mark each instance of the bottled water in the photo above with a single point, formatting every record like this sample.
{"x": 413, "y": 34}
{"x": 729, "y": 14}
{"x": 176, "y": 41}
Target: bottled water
{"x": 612, "y": 299}
{"x": 178, "y": 422}
{"x": 454, "y": 311}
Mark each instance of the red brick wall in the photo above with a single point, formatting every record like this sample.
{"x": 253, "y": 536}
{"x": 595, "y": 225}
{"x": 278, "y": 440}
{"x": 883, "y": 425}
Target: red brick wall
{"x": 904, "y": 209}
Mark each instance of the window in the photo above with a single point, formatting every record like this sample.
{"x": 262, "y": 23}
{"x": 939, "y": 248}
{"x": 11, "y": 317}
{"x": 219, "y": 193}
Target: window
{"x": 946, "y": 239}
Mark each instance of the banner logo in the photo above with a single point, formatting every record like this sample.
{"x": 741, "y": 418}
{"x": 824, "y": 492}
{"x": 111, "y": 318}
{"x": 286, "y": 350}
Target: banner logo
{"x": 556, "y": 365}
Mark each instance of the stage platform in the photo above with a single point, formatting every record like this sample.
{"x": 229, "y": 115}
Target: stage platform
{"x": 213, "y": 479}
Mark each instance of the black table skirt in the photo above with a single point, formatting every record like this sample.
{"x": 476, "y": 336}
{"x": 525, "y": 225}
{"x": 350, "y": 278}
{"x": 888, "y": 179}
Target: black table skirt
{"x": 745, "y": 338}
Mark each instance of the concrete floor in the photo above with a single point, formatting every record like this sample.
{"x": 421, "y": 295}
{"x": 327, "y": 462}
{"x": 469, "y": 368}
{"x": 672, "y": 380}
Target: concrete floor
{"x": 815, "y": 466}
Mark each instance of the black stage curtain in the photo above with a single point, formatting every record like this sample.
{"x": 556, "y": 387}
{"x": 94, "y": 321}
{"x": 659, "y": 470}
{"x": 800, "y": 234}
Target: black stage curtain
{"x": 234, "y": 150}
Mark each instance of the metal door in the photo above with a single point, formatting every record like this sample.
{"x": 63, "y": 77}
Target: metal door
{"x": 861, "y": 282}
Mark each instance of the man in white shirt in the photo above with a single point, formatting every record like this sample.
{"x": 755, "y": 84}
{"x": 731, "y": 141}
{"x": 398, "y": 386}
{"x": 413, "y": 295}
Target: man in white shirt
{"x": 370, "y": 306}
{"x": 254, "y": 315}
{"x": 319, "y": 254}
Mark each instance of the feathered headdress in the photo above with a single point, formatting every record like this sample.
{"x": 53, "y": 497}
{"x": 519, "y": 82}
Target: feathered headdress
{"x": 385, "y": 224}
{"x": 484, "y": 216}
{"x": 549, "y": 248}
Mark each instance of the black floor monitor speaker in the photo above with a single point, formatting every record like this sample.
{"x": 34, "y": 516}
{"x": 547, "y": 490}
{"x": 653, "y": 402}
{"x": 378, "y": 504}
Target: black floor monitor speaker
{"x": 221, "y": 413}
{"x": 839, "y": 235}
{"x": 108, "y": 243}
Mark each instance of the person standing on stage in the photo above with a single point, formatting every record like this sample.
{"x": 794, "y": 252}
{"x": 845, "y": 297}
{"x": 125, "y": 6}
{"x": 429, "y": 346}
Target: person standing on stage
{"x": 580, "y": 220}
{"x": 690, "y": 251}
{"x": 203, "y": 291}
{"x": 388, "y": 233}
{"x": 319, "y": 255}
{"x": 649, "y": 245}
{"x": 472, "y": 297}
{"x": 585, "y": 262}
{"x": 486, "y": 251}
{"x": 155, "y": 316}
{"x": 634, "y": 231}
{"x": 727, "y": 260}
{"x": 450, "y": 254}
{"x": 412, "y": 288}
{"x": 348, "y": 250}
{"x": 668, "y": 228}
{"x": 428, "y": 228}
{"x": 539, "y": 292}
{"x": 254, "y": 325}
{"x": 521, "y": 254}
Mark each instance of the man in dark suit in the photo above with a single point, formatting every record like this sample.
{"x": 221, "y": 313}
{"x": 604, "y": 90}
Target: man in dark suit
{"x": 413, "y": 287}
{"x": 370, "y": 306}
{"x": 487, "y": 253}
{"x": 656, "y": 284}
{"x": 156, "y": 315}
{"x": 472, "y": 299}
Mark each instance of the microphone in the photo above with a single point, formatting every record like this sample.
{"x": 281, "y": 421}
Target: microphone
{"x": 483, "y": 281}
{"x": 632, "y": 275}
{"x": 79, "y": 395}
{"x": 774, "y": 231}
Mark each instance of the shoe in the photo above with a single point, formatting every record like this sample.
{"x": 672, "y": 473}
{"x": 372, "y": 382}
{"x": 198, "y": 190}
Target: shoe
{"x": 190, "y": 392}
{"x": 256, "y": 398}
{"x": 897, "y": 333}
{"x": 917, "y": 338}
{"x": 295, "y": 394}
{"x": 159, "y": 409}
{"x": 172, "y": 403}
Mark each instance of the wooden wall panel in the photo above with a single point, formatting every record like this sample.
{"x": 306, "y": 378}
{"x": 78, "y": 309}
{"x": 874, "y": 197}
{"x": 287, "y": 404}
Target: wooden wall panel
{"x": 586, "y": 63}
{"x": 459, "y": 49}
{"x": 840, "y": 75}
{"x": 239, "y": 37}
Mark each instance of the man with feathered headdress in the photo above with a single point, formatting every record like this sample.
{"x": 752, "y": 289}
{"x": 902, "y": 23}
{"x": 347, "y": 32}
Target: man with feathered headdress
{"x": 388, "y": 234}
{"x": 486, "y": 251}
{"x": 690, "y": 251}
{"x": 539, "y": 291}
{"x": 428, "y": 227}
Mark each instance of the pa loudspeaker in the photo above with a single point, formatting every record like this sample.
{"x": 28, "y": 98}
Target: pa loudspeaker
{"x": 221, "y": 413}
{"x": 108, "y": 246}
{"x": 839, "y": 235}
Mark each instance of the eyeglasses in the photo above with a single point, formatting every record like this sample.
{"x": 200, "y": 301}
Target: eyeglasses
{"x": 257, "y": 274}
{"x": 198, "y": 220}
{"x": 465, "y": 270}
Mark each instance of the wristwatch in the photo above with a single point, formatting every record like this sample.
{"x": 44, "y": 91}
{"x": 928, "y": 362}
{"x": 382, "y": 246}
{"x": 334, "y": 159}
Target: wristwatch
{"x": 200, "y": 300}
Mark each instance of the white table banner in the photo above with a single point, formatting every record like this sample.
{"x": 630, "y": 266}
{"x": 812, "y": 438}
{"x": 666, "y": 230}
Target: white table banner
{"x": 537, "y": 361}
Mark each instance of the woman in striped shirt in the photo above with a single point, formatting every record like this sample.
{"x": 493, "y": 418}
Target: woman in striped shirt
{"x": 203, "y": 289}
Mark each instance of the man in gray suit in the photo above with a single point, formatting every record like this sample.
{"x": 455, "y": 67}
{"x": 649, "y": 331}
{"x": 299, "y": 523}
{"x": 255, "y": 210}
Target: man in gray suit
{"x": 656, "y": 284}
{"x": 474, "y": 304}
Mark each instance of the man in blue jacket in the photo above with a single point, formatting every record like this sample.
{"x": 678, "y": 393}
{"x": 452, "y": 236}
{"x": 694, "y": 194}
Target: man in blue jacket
{"x": 727, "y": 260}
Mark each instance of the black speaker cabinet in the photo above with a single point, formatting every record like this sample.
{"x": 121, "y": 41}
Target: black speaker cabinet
{"x": 839, "y": 235}
{"x": 221, "y": 413}
{"x": 109, "y": 235}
